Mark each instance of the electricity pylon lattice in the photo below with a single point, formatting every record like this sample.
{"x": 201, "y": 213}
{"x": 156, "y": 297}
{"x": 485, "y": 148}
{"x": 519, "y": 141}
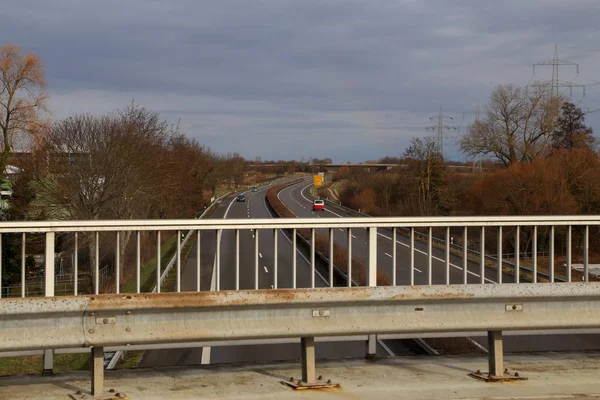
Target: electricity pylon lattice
{"x": 555, "y": 84}
{"x": 440, "y": 127}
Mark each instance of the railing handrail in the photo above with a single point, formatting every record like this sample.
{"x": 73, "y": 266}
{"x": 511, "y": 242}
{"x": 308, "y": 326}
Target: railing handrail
{"x": 357, "y": 222}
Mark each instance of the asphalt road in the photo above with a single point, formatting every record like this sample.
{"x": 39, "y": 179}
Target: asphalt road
{"x": 255, "y": 206}
{"x": 297, "y": 199}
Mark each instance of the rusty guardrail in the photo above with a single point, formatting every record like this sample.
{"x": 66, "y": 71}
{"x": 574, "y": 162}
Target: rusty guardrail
{"x": 100, "y": 321}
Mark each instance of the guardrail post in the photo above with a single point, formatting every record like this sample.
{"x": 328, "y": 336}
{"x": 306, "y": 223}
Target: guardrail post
{"x": 495, "y": 353}
{"x": 97, "y": 371}
{"x": 371, "y": 347}
{"x": 48, "y": 359}
{"x": 308, "y": 360}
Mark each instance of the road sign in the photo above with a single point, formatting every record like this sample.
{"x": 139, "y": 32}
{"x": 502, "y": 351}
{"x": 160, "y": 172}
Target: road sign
{"x": 318, "y": 181}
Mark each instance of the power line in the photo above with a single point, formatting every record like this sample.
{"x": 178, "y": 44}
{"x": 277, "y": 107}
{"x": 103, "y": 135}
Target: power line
{"x": 439, "y": 128}
{"x": 555, "y": 84}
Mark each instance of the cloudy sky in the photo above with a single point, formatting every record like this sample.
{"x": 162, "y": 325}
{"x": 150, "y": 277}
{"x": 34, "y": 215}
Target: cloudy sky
{"x": 350, "y": 80}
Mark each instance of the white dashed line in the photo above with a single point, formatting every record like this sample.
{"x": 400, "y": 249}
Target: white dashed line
{"x": 260, "y": 255}
{"x": 266, "y": 270}
{"x": 341, "y": 230}
{"x": 353, "y": 237}
{"x": 388, "y": 254}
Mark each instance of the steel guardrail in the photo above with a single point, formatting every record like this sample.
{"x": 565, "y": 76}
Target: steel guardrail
{"x": 131, "y": 319}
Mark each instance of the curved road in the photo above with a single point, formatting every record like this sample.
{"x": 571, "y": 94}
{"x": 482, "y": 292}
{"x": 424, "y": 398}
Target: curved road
{"x": 298, "y": 199}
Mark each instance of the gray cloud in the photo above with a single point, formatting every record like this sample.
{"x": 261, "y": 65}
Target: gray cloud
{"x": 353, "y": 80}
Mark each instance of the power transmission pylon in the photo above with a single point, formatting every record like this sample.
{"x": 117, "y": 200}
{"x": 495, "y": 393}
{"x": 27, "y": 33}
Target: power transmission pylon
{"x": 440, "y": 127}
{"x": 477, "y": 161}
{"x": 555, "y": 84}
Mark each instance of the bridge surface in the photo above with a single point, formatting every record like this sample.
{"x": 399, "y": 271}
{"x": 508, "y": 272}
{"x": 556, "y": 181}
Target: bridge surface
{"x": 556, "y": 376}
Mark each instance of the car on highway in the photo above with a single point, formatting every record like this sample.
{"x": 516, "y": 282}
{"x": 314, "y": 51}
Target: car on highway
{"x": 254, "y": 189}
{"x": 241, "y": 197}
{"x": 318, "y": 205}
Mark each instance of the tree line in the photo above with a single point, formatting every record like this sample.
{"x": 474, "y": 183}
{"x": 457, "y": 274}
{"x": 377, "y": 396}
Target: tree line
{"x": 125, "y": 164}
{"x": 540, "y": 158}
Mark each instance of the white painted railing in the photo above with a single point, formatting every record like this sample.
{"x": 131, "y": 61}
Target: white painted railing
{"x": 413, "y": 237}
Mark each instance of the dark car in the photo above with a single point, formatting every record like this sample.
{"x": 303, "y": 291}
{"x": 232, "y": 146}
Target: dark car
{"x": 241, "y": 197}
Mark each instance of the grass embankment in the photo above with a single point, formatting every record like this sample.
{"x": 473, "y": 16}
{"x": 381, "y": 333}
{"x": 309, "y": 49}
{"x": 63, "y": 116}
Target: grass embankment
{"x": 83, "y": 361}
{"x": 340, "y": 255}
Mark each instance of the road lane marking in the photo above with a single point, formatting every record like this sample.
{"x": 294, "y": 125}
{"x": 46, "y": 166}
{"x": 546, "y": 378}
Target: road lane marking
{"x": 260, "y": 255}
{"x": 388, "y": 254}
{"x": 266, "y": 270}
{"x": 298, "y": 251}
{"x": 353, "y": 237}
{"x": 341, "y": 230}
{"x": 406, "y": 245}
{"x": 435, "y": 258}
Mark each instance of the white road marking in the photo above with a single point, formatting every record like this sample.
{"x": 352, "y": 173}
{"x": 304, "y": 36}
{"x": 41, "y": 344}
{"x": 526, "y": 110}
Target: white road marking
{"x": 260, "y": 255}
{"x": 435, "y": 258}
{"x": 405, "y": 245}
{"x": 266, "y": 270}
{"x": 353, "y": 237}
{"x": 341, "y": 230}
{"x": 228, "y": 207}
{"x": 388, "y": 254}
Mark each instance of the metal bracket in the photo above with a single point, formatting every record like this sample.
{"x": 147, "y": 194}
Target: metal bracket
{"x": 106, "y": 320}
{"x": 320, "y": 313}
{"x": 112, "y": 394}
{"x": 506, "y": 377}
{"x": 319, "y": 384}
{"x": 513, "y": 307}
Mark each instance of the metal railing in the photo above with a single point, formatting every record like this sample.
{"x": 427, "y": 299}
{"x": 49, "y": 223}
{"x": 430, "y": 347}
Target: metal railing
{"x": 253, "y": 254}
{"x": 472, "y": 250}
{"x": 370, "y": 233}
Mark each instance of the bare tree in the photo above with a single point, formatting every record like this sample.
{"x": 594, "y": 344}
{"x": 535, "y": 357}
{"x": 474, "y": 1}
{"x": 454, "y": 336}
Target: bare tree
{"x": 102, "y": 167}
{"x": 22, "y": 96}
{"x": 428, "y": 167}
{"x": 517, "y": 127}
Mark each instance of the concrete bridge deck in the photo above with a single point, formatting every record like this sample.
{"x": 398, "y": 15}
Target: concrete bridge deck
{"x": 551, "y": 376}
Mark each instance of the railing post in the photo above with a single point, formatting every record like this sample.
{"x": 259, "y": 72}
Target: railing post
{"x": 372, "y": 264}
{"x": 97, "y": 371}
{"x": 48, "y": 363}
{"x": 495, "y": 353}
{"x": 308, "y": 360}
{"x": 372, "y": 281}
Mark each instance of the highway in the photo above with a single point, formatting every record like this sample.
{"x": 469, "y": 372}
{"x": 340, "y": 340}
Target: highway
{"x": 298, "y": 200}
{"x": 255, "y": 206}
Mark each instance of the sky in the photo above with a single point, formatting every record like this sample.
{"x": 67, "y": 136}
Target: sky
{"x": 277, "y": 79}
